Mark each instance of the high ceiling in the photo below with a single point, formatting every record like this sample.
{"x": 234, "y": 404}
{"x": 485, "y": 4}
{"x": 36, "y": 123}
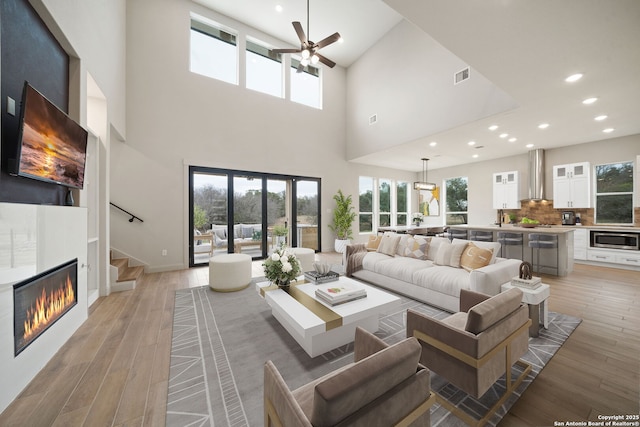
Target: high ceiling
{"x": 526, "y": 48}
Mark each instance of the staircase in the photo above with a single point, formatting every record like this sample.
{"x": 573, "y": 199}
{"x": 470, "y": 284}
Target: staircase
{"x": 123, "y": 274}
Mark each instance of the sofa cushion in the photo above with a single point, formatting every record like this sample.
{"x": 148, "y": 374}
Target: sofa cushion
{"x": 402, "y": 244}
{"x": 442, "y": 279}
{"x": 484, "y": 315}
{"x": 494, "y": 246}
{"x": 417, "y": 247}
{"x": 220, "y": 231}
{"x": 389, "y": 244}
{"x": 434, "y": 245}
{"x": 474, "y": 257}
{"x": 449, "y": 254}
{"x": 371, "y": 259}
{"x": 401, "y": 268}
{"x": 340, "y": 395}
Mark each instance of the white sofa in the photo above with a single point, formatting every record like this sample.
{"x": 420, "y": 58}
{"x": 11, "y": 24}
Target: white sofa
{"x": 424, "y": 274}
{"x": 243, "y": 234}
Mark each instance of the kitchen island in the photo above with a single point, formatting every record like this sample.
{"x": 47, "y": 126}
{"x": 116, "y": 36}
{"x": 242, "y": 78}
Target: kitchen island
{"x": 563, "y": 254}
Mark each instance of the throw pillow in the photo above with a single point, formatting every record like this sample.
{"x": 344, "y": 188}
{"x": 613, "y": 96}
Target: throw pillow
{"x": 389, "y": 244}
{"x": 402, "y": 244}
{"x": 434, "y": 244}
{"x": 474, "y": 257}
{"x": 449, "y": 254}
{"x": 374, "y": 242}
{"x": 417, "y": 247}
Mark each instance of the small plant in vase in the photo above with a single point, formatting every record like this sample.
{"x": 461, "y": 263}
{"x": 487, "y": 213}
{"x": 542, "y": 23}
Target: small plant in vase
{"x": 417, "y": 218}
{"x": 282, "y": 267}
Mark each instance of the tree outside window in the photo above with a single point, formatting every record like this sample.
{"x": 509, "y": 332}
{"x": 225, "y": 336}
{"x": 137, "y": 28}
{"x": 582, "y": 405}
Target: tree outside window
{"x": 457, "y": 201}
{"x": 365, "y": 217}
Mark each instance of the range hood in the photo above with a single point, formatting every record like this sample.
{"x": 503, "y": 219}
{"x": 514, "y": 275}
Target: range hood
{"x": 536, "y": 175}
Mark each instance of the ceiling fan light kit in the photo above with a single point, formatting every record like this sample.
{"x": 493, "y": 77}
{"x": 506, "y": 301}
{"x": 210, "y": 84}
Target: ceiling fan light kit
{"x": 308, "y": 49}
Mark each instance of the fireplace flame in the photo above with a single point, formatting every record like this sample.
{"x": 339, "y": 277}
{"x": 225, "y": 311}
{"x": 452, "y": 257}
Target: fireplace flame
{"x": 48, "y": 308}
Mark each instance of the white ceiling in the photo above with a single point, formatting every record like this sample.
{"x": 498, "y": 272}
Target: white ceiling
{"x": 526, "y": 48}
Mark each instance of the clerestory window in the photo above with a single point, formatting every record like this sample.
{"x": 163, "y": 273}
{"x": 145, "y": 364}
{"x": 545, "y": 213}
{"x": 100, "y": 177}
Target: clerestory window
{"x": 214, "y": 52}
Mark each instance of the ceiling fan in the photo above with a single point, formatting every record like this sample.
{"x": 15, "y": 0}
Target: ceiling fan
{"x": 308, "y": 49}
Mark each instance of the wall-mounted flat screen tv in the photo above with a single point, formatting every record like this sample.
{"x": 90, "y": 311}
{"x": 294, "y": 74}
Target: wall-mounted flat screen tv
{"x": 52, "y": 146}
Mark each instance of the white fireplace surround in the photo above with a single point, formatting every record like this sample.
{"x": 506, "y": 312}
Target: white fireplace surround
{"x": 33, "y": 239}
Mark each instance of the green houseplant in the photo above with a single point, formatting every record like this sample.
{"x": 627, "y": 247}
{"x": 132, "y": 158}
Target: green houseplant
{"x": 343, "y": 217}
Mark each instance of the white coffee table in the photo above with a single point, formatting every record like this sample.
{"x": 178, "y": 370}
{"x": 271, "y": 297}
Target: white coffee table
{"x": 537, "y": 301}
{"x": 317, "y": 335}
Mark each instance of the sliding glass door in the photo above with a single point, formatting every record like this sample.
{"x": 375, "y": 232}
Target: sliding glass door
{"x": 249, "y": 212}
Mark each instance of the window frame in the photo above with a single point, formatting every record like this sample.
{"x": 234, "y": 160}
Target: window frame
{"x": 256, "y": 47}
{"x": 375, "y": 203}
{"x": 217, "y": 32}
{"x": 631, "y": 194}
{"x": 447, "y": 212}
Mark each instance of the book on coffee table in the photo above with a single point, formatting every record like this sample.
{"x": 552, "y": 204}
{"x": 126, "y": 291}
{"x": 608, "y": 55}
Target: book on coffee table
{"x": 532, "y": 283}
{"x": 317, "y": 278}
{"x": 339, "y": 293}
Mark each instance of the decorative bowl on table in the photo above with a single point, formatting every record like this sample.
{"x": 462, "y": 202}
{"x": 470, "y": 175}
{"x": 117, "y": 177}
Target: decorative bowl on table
{"x": 527, "y": 225}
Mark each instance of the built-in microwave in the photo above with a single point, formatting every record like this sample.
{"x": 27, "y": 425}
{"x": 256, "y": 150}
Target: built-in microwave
{"x": 615, "y": 240}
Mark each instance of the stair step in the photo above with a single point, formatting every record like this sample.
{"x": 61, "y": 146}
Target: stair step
{"x": 130, "y": 274}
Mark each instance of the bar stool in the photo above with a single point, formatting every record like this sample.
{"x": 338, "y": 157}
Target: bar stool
{"x": 543, "y": 241}
{"x": 507, "y": 239}
{"x": 481, "y": 236}
{"x": 456, "y": 234}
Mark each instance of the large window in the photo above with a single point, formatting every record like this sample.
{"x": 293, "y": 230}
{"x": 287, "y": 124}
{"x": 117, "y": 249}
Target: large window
{"x": 214, "y": 52}
{"x": 305, "y": 86}
{"x": 384, "y": 203}
{"x": 264, "y": 69}
{"x": 457, "y": 201}
{"x": 614, "y": 193}
{"x": 402, "y": 203}
{"x": 365, "y": 217}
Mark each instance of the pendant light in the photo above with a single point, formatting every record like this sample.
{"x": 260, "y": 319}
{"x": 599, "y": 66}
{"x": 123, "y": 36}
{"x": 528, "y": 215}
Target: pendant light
{"x": 424, "y": 185}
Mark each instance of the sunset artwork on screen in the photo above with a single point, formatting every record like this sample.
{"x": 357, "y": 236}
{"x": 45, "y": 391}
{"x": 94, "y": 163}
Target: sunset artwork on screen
{"x": 53, "y": 146}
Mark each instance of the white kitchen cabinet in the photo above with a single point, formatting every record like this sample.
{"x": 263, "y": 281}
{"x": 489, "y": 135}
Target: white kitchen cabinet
{"x": 580, "y": 243}
{"x": 505, "y": 190}
{"x": 572, "y": 186}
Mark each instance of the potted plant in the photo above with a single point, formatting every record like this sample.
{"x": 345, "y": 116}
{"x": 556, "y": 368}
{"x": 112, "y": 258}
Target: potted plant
{"x": 280, "y": 232}
{"x": 343, "y": 217}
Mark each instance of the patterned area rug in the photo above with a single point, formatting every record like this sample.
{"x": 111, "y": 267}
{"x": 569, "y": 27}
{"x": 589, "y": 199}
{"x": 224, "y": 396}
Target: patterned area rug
{"x": 221, "y": 341}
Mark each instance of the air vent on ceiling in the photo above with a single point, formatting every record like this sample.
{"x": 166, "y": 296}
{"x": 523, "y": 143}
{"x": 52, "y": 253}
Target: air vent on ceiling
{"x": 461, "y": 76}
{"x": 373, "y": 119}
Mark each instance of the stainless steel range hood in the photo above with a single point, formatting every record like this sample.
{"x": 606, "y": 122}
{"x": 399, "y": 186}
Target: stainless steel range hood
{"x": 536, "y": 175}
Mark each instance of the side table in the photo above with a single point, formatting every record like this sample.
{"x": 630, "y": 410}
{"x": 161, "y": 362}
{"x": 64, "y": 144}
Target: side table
{"x": 537, "y": 301}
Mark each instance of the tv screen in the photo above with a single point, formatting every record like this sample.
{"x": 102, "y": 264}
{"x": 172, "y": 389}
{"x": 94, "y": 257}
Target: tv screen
{"x": 52, "y": 147}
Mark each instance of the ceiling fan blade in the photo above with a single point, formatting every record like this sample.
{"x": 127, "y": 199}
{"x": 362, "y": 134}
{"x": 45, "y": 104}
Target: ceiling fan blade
{"x": 328, "y": 40}
{"x": 285, "y": 50}
{"x": 326, "y": 61}
{"x": 300, "y": 32}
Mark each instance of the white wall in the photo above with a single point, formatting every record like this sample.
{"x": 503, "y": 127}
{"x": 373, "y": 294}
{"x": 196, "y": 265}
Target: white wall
{"x": 409, "y": 85}
{"x": 176, "y": 118}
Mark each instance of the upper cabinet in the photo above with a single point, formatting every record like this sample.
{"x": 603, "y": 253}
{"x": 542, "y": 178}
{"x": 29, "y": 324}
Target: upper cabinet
{"x": 572, "y": 185}
{"x": 505, "y": 190}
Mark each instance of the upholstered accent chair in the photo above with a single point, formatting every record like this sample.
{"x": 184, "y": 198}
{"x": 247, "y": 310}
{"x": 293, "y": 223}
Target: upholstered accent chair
{"x": 472, "y": 349}
{"x": 385, "y": 385}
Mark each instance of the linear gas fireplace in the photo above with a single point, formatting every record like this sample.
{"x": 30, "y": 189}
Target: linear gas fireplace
{"x": 40, "y": 301}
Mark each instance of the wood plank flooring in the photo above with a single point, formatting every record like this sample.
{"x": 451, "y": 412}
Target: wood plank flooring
{"x": 114, "y": 370}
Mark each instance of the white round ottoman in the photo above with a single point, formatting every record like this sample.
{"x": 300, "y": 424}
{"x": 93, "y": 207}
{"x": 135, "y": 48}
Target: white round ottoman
{"x": 229, "y": 272}
{"x": 306, "y": 257}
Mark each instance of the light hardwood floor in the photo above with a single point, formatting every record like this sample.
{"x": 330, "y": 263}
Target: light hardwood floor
{"x": 113, "y": 371}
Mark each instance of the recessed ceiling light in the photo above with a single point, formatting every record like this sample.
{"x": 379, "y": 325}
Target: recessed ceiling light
{"x": 493, "y": 127}
{"x": 543, "y": 125}
{"x": 600, "y": 118}
{"x": 475, "y": 156}
{"x": 589, "y": 101}
{"x": 279, "y": 8}
{"x": 608, "y": 130}
{"x": 433, "y": 143}
{"x": 573, "y": 78}
{"x": 513, "y": 139}
{"x": 471, "y": 143}
{"x": 504, "y": 135}
{"x": 529, "y": 145}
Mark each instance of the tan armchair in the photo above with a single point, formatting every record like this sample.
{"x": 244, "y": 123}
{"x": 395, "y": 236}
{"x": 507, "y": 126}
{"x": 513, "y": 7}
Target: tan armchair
{"x": 385, "y": 385}
{"x": 472, "y": 349}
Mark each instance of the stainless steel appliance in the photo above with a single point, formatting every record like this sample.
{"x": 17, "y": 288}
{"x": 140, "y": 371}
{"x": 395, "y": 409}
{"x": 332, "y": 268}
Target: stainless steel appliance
{"x": 568, "y": 218}
{"x": 615, "y": 240}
